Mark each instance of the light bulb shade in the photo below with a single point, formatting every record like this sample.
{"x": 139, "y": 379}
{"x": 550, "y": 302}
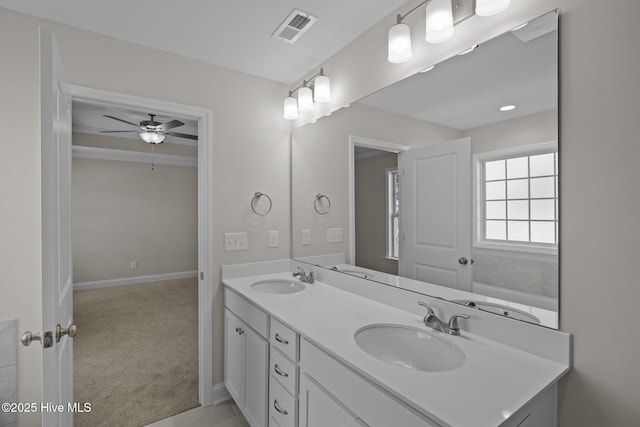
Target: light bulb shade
{"x": 491, "y": 7}
{"x": 152, "y": 137}
{"x": 439, "y": 22}
{"x": 305, "y": 99}
{"x": 399, "y": 44}
{"x": 322, "y": 89}
{"x": 290, "y": 108}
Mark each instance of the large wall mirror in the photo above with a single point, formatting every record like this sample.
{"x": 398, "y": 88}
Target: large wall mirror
{"x": 445, "y": 183}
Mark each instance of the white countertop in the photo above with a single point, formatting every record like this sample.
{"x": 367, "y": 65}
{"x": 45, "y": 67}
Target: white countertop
{"x": 495, "y": 381}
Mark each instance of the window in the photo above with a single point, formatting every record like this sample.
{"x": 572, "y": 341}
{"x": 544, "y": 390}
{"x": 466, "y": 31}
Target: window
{"x": 393, "y": 213}
{"x": 517, "y": 198}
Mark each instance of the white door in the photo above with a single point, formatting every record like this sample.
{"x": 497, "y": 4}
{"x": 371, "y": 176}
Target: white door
{"x": 435, "y": 227}
{"x": 57, "y": 271}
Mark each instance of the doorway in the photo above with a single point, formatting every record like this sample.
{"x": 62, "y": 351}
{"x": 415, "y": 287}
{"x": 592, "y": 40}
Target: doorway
{"x": 371, "y": 166}
{"x": 204, "y": 214}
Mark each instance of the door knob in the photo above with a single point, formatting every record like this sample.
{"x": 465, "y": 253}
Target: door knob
{"x": 463, "y": 261}
{"x": 29, "y": 337}
{"x": 60, "y": 331}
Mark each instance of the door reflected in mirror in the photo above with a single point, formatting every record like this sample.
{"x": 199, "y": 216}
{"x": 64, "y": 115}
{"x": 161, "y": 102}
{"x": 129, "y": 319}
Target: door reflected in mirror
{"x": 445, "y": 183}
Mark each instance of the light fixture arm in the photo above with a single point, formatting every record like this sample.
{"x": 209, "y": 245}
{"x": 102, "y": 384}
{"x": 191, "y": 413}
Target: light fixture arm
{"x": 306, "y": 82}
{"x": 400, "y": 18}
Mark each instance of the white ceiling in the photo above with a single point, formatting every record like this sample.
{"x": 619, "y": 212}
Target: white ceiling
{"x": 465, "y": 92}
{"x": 234, "y": 33}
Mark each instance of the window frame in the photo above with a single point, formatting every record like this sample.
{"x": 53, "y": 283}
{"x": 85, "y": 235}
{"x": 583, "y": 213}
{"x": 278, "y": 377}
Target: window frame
{"x": 389, "y": 220}
{"x": 479, "y": 159}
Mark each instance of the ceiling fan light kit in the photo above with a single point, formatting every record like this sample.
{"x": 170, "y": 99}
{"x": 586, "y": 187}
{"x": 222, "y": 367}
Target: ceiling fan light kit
{"x": 152, "y": 131}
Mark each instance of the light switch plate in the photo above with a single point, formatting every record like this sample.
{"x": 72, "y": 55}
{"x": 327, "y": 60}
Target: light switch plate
{"x": 236, "y": 242}
{"x": 273, "y": 239}
{"x": 334, "y": 235}
{"x": 306, "y": 236}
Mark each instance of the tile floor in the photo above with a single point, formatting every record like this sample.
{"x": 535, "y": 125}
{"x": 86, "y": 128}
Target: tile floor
{"x": 225, "y": 414}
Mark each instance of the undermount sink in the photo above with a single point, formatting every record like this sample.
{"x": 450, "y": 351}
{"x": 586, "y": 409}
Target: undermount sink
{"x": 278, "y": 286}
{"x": 410, "y": 348}
{"x": 503, "y": 310}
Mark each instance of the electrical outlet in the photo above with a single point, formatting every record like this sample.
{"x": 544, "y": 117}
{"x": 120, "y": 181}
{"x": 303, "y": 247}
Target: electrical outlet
{"x": 334, "y": 235}
{"x": 236, "y": 242}
{"x": 134, "y": 264}
{"x": 273, "y": 239}
{"x": 306, "y": 236}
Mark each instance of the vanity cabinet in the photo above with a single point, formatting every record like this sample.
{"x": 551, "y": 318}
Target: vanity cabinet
{"x": 319, "y": 409}
{"x": 246, "y": 358}
{"x": 370, "y": 405}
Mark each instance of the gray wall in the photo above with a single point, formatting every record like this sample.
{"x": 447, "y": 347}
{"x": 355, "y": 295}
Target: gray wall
{"x": 371, "y": 208}
{"x": 125, "y": 211}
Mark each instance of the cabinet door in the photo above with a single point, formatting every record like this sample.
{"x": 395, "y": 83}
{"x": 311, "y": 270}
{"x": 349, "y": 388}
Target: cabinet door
{"x": 318, "y": 409}
{"x": 234, "y": 357}
{"x": 256, "y": 377}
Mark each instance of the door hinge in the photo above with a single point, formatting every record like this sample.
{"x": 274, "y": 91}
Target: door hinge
{"x": 202, "y": 275}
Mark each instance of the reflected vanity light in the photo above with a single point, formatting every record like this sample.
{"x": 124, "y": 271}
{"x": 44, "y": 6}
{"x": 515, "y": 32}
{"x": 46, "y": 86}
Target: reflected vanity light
{"x": 316, "y": 89}
{"x": 507, "y": 107}
{"x": 440, "y": 19}
{"x": 520, "y": 26}
{"x": 428, "y": 69}
{"x": 471, "y": 49}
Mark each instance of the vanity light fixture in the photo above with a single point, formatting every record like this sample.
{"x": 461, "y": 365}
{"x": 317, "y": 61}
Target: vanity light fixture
{"x": 317, "y": 88}
{"x": 305, "y": 99}
{"x": 290, "y": 107}
{"x": 441, "y": 16}
{"x": 439, "y": 21}
{"x": 491, "y": 7}
{"x": 507, "y": 107}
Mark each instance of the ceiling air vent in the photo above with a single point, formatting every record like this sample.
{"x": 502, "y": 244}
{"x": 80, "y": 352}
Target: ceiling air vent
{"x": 294, "y": 26}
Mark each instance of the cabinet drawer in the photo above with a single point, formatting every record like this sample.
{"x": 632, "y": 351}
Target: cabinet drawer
{"x": 283, "y": 407}
{"x": 249, "y": 313}
{"x": 284, "y": 339}
{"x": 374, "y": 406}
{"x": 284, "y": 370}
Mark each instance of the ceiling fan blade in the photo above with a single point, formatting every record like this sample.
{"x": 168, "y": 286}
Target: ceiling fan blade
{"x": 182, "y": 135}
{"x": 170, "y": 125}
{"x": 123, "y": 121}
{"x": 119, "y": 131}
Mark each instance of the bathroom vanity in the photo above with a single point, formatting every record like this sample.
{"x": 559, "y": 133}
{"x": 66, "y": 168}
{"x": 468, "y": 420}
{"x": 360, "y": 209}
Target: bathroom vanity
{"x": 331, "y": 353}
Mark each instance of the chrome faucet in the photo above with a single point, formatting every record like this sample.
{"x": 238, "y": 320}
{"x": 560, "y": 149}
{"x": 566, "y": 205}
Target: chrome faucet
{"x": 433, "y": 321}
{"x": 304, "y": 277}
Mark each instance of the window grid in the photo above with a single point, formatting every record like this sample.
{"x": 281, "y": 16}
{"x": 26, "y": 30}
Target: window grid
{"x": 530, "y": 221}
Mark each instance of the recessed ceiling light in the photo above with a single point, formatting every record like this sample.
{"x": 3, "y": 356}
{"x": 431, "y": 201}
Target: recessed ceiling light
{"x": 428, "y": 69}
{"x": 507, "y": 107}
{"x": 471, "y": 49}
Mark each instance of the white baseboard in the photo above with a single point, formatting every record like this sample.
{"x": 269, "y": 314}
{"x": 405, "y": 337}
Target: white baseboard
{"x": 220, "y": 394}
{"x": 133, "y": 280}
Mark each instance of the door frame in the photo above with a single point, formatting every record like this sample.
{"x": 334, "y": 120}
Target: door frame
{"x": 361, "y": 141}
{"x": 205, "y": 212}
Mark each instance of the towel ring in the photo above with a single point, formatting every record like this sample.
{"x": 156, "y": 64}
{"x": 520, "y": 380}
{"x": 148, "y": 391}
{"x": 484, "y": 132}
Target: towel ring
{"x": 255, "y": 199}
{"x": 318, "y": 202}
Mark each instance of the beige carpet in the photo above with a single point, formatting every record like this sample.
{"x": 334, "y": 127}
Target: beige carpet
{"x": 136, "y": 352}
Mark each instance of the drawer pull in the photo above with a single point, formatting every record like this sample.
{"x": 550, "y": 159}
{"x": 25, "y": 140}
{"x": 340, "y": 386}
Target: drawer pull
{"x": 280, "y": 371}
{"x": 278, "y": 408}
{"x": 280, "y": 339}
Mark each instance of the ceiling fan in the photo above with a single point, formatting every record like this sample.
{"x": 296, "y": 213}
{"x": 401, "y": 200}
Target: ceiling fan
{"x": 152, "y": 131}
